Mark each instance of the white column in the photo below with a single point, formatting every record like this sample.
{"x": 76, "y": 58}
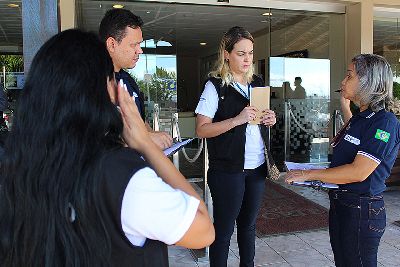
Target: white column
{"x": 67, "y": 14}
{"x": 39, "y": 23}
{"x": 337, "y": 58}
{"x": 359, "y": 28}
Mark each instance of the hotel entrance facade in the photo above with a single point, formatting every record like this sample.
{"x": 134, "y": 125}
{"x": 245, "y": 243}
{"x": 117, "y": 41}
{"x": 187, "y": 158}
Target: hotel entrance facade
{"x": 300, "y": 46}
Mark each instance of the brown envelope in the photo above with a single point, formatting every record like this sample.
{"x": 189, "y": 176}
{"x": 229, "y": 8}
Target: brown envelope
{"x": 259, "y": 98}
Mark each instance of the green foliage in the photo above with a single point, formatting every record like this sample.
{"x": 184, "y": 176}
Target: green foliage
{"x": 157, "y": 88}
{"x": 13, "y": 63}
{"x": 396, "y": 90}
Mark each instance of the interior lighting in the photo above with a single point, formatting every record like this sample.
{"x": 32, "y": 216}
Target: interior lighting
{"x": 13, "y": 5}
{"x": 203, "y": 43}
{"x": 118, "y": 6}
{"x": 267, "y": 14}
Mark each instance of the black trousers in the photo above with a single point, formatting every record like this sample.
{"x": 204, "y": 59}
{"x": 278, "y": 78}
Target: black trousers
{"x": 236, "y": 197}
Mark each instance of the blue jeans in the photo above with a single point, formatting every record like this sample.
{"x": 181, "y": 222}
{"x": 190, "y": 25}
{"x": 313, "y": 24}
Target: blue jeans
{"x": 236, "y": 196}
{"x": 356, "y": 225}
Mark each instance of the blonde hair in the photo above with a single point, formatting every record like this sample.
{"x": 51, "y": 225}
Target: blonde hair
{"x": 222, "y": 69}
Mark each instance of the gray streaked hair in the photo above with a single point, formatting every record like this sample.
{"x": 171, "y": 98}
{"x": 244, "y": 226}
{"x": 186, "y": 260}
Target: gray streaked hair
{"x": 375, "y": 81}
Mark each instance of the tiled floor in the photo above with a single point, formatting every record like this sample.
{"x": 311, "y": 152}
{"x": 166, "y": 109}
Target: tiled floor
{"x": 305, "y": 248}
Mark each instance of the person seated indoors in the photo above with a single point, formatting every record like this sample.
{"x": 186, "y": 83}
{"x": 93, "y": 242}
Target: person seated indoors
{"x": 82, "y": 183}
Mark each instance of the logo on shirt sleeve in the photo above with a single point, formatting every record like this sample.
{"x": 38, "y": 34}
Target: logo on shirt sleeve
{"x": 382, "y": 135}
{"x": 352, "y": 139}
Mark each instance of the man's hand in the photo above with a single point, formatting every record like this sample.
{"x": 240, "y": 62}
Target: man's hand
{"x": 162, "y": 139}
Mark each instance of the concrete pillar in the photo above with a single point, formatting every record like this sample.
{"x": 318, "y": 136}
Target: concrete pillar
{"x": 337, "y": 58}
{"x": 39, "y": 23}
{"x": 359, "y": 28}
{"x": 262, "y": 51}
{"x": 338, "y": 64}
{"x": 67, "y": 14}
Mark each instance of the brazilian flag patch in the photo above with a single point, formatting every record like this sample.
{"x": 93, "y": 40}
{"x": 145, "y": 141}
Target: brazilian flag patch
{"x": 382, "y": 135}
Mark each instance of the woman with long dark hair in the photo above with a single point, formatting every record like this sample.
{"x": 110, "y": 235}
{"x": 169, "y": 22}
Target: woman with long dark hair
{"x": 75, "y": 190}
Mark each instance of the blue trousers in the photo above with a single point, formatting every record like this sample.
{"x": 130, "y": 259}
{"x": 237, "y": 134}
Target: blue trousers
{"x": 356, "y": 225}
{"x": 236, "y": 197}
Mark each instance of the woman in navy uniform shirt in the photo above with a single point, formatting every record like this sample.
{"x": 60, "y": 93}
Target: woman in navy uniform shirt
{"x": 364, "y": 152}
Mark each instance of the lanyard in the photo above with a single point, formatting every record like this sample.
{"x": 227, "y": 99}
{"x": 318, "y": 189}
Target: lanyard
{"x": 339, "y": 136}
{"x": 243, "y": 92}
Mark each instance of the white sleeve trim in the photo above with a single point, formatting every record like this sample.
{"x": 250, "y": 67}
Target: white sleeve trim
{"x": 369, "y": 156}
{"x": 153, "y": 209}
{"x": 208, "y": 103}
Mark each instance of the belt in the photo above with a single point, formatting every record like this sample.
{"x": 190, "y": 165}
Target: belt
{"x": 336, "y": 193}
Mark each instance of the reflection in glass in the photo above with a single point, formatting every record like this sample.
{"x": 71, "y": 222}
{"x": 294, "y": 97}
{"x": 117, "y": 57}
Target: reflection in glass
{"x": 288, "y": 79}
{"x": 156, "y": 76}
{"x": 301, "y": 100}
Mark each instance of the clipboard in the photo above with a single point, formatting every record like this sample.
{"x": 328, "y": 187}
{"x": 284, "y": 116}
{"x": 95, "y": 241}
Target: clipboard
{"x": 260, "y": 98}
{"x": 176, "y": 147}
{"x": 310, "y": 166}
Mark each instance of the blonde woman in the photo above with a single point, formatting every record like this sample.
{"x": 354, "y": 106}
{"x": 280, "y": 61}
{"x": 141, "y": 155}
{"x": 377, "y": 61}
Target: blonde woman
{"x": 237, "y": 167}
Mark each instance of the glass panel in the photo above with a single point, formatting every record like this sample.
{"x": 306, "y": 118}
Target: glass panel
{"x": 181, "y": 46}
{"x": 306, "y": 97}
{"x": 156, "y": 70}
{"x": 300, "y": 79}
{"x": 292, "y": 82}
{"x": 12, "y": 80}
{"x": 11, "y": 59}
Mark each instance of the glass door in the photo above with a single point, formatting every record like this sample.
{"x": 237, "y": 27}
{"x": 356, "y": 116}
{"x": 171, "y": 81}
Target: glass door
{"x": 156, "y": 71}
{"x": 300, "y": 75}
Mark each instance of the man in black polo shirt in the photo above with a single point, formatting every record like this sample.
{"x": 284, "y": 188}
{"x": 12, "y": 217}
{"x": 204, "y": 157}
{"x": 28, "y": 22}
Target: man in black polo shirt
{"x": 121, "y": 30}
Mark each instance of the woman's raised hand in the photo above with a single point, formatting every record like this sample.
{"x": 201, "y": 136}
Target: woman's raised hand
{"x": 135, "y": 133}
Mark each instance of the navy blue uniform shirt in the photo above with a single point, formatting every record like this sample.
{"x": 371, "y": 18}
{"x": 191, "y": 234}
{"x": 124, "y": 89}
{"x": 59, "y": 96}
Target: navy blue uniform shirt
{"x": 375, "y": 135}
{"x": 133, "y": 90}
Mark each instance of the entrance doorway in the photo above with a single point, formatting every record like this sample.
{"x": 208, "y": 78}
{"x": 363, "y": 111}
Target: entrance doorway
{"x": 180, "y": 49}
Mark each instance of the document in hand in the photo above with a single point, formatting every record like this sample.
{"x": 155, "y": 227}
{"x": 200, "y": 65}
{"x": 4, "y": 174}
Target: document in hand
{"x": 259, "y": 98}
{"x": 310, "y": 166}
{"x": 176, "y": 147}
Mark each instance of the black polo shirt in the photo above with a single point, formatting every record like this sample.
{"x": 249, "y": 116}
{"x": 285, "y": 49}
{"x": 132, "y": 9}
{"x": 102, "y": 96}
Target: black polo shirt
{"x": 375, "y": 135}
{"x": 133, "y": 90}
